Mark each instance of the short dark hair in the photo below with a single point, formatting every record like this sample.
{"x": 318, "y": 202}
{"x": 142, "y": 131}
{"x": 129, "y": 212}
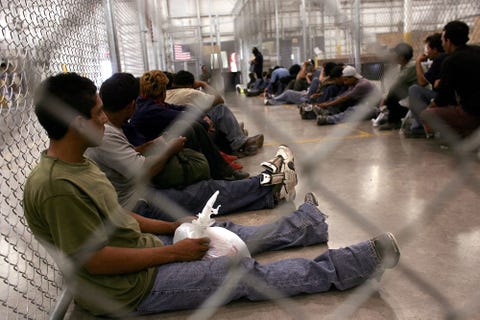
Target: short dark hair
{"x": 170, "y": 77}
{"x": 434, "y": 41}
{"x": 336, "y": 72}
{"x": 404, "y": 50}
{"x": 294, "y": 70}
{"x": 183, "y": 79}
{"x": 457, "y": 32}
{"x": 60, "y": 99}
{"x": 328, "y": 67}
{"x": 118, "y": 91}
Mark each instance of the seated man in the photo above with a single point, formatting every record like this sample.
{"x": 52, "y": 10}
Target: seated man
{"x": 422, "y": 94}
{"x": 124, "y": 166}
{"x": 297, "y": 95}
{"x": 361, "y": 93}
{"x": 323, "y": 81}
{"x": 331, "y": 87}
{"x": 229, "y": 135}
{"x": 117, "y": 262}
{"x": 407, "y": 77}
{"x": 254, "y": 87}
{"x": 273, "y": 85}
{"x": 459, "y": 78}
{"x": 153, "y": 117}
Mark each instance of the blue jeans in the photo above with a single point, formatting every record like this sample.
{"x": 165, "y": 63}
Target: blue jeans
{"x": 313, "y": 86}
{"x": 419, "y": 99}
{"x": 239, "y": 195}
{"x": 187, "y": 285}
{"x": 289, "y": 96}
{"x": 344, "y": 116}
{"x": 226, "y": 124}
{"x": 341, "y": 116}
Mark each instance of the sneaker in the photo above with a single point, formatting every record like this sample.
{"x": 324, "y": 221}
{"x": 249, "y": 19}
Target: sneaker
{"x": 287, "y": 191}
{"x": 251, "y": 146}
{"x": 256, "y": 140}
{"x": 286, "y": 154}
{"x": 246, "y": 151}
{"x": 322, "y": 120}
{"x": 242, "y": 126}
{"x": 387, "y": 250}
{"x": 266, "y": 101}
{"x": 311, "y": 198}
{"x": 320, "y": 111}
{"x": 273, "y": 165}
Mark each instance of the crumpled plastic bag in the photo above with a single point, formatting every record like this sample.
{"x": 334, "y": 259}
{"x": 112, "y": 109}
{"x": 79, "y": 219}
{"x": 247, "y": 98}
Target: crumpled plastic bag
{"x": 223, "y": 242}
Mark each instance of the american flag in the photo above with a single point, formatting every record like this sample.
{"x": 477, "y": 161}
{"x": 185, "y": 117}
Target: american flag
{"x": 180, "y": 54}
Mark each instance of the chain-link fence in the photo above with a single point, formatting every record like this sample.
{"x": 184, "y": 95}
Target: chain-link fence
{"x": 41, "y": 38}
{"x": 38, "y": 39}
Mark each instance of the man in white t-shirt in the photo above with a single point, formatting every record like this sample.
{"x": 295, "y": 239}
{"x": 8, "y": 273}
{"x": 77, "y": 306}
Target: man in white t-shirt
{"x": 229, "y": 135}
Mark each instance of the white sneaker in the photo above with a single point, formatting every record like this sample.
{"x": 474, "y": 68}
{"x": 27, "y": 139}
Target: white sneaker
{"x": 290, "y": 180}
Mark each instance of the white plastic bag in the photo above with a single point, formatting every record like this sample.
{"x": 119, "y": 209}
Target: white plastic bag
{"x": 223, "y": 242}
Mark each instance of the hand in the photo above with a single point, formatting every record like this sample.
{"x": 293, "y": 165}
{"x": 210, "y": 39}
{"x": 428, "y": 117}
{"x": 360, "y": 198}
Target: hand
{"x": 321, "y": 105}
{"x": 432, "y": 105}
{"x": 211, "y": 127}
{"x": 176, "y": 145}
{"x": 422, "y": 57}
{"x": 191, "y": 249}
{"x": 199, "y": 84}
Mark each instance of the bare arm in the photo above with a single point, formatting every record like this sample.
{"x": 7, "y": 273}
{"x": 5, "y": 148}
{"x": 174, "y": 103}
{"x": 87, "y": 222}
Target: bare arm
{"x": 155, "y": 163}
{"x": 302, "y": 73}
{"x": 418, "y": 67}
{"x": 210, "y": 90}
{"x": 114, "y": 260}
{"x": 149, "y": 144}
{"x": 155, "y": 226}
{"x": 334, "y": 102}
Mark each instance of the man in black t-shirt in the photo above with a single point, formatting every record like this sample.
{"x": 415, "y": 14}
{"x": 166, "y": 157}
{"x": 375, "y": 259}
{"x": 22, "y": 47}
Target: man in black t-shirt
{"x": 422, "y": 94}
{"x": 459, "y": 78}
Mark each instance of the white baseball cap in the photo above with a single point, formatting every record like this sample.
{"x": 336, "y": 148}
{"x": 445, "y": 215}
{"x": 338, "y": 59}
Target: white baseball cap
{"x": 350, "y": 71}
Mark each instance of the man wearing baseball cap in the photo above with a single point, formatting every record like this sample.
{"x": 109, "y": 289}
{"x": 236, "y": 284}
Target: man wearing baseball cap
{"x": 402, "y": 55}
{"x": 360, "y": 90}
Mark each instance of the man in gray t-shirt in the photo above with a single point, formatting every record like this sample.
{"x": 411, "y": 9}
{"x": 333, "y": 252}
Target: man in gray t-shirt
{"x": 360, "y": 92}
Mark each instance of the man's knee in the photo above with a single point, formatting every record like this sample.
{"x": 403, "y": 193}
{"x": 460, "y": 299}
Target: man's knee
{"x": 414, "y": 90}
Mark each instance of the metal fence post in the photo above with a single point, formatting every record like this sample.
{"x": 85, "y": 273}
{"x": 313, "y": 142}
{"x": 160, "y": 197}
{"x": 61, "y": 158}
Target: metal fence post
{"x": 142, "y": 29}
{"x": 112, "y": 36}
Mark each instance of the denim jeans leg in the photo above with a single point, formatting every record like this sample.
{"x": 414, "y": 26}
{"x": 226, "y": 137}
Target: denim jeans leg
{"x": 420, "y": 98}
{"x": 187, "y": 285}
{"x": 245, "y": 195}
{"x": 342, "y": 116}
{"x": 313, "y": 86}
{"x": 225, "y": 122}
{"x": 304, "y": 227}
{"x": 289, "y": 96}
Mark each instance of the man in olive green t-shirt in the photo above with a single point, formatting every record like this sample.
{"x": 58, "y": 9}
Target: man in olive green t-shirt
{"x": 70, "y": 205}
{"x": 114, "y": 261}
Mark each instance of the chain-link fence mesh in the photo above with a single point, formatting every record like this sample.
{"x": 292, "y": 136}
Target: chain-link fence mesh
{"x": 38, "y": 39}
{"x": 42, "y": 38}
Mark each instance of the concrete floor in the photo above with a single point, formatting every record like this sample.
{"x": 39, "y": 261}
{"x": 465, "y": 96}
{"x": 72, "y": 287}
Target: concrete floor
{"x": 391, "y": 182}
